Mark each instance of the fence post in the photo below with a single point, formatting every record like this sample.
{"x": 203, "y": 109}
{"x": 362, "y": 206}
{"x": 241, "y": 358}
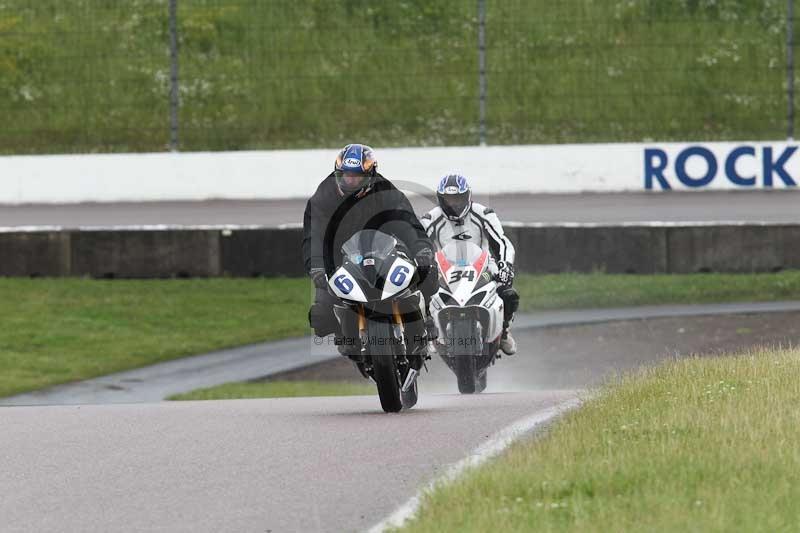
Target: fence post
{"x": 174, "y": 98}
{"x": 482, "y": 82}
{"x": 790, "y": 68}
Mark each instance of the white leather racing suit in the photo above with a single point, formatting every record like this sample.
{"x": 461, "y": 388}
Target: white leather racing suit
{"x": 481, "y": 226}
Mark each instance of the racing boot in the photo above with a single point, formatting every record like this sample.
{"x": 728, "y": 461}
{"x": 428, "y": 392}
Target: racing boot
{"x": 353, "y": 353}
{"x": 431, "y": 331}
{"x": 507, "y": 342}
{"x": 348, "y": 349}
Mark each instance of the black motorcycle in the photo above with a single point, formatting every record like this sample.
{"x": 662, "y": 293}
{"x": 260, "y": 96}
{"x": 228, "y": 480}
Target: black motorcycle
{"x": 380, "y": 314}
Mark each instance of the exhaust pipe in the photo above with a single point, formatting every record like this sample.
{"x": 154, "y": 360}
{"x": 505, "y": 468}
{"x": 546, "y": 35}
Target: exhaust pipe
{"x": 410, "y": 379}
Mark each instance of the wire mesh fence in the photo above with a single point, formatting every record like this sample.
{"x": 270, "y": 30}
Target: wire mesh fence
{"x": 150, "y": 75}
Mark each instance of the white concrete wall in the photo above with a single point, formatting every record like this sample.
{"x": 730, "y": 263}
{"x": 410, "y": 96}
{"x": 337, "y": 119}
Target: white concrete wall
{"x": 295, "y": 173}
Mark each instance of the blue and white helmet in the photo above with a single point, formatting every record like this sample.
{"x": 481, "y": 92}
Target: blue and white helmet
{"x": 455, "y": 196}
{"x": 355, "y": 169}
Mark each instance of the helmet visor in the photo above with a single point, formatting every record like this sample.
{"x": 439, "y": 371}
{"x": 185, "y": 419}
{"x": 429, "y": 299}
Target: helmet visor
{"x": 454, "y": 205}
{"x": 350, "y": 182}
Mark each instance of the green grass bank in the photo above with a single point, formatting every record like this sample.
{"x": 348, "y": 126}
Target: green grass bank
{"x": 279, "y": 389}
{"x": 94, "y": 75}
{"x": 60, "y": 330}
{"x": 703, "y": 444}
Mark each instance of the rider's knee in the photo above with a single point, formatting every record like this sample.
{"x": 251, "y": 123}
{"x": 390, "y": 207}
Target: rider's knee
{"x": 429, "y": 283}
{"x": 321, "y": 319}
{"x": 510, "y": 300}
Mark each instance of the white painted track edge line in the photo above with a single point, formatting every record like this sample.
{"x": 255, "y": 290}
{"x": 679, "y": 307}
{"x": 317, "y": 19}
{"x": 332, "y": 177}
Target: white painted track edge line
{"x": 496, "y": 444}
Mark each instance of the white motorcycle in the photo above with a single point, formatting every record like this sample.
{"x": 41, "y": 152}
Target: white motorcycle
{"x": 468, "y": 312}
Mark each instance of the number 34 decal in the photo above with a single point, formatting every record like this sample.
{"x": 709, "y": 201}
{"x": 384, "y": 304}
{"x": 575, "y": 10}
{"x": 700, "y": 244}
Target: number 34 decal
{"x": 458, "y": 275}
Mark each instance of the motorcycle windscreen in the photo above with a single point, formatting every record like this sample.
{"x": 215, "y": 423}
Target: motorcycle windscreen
{"x": 368, "y": 243}
{"x": 462, "y": 253}
{"x": 465, "y": 263}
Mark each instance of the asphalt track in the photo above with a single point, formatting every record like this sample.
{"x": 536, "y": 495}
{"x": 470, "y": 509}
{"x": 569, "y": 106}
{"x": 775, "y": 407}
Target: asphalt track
{"x": 304, "y": 464}
{"x": 777, "y": 206}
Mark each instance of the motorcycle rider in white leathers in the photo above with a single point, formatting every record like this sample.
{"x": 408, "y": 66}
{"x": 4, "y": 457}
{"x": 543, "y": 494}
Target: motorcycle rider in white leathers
{"x": 457, "y": 217}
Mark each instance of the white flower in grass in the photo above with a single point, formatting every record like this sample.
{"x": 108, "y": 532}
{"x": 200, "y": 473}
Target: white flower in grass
{"x": 27, "y": 93}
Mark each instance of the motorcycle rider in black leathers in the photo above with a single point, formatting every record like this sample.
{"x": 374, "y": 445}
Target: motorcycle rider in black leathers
{"x": 352, "y": 198}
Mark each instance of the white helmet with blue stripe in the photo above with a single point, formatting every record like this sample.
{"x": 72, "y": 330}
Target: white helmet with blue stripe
{"x": 455, "y": 196}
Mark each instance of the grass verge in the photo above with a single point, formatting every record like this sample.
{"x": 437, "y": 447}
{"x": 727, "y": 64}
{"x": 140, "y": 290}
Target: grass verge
{"x": 699, "y": 444}
{"x": 278, "y": 389}
{"x": 59, "y": 330}
{"x": 579, "y": 291}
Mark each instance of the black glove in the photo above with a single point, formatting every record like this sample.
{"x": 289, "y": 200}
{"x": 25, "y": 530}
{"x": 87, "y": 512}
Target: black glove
{"x": 505, "y": 273}
{"x": 319, "y": 278}
{"x": 428, "y": 273}
{"x": 424, "y": 258}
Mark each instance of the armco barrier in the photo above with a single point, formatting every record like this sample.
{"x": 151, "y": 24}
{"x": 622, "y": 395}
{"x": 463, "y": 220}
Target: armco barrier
{"x": 247, "y": 252}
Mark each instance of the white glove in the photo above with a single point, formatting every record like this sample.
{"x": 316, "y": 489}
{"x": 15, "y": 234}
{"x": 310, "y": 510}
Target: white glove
{"x": 505, "y": 273}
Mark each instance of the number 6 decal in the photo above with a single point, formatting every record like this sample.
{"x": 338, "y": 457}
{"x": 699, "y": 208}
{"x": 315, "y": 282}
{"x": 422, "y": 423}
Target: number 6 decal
{"x": 398, "y": 276}
{"x": 343, "y": 283}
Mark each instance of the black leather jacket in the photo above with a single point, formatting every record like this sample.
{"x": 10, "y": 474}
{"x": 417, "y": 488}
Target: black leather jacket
{"x": 331, "y": 219}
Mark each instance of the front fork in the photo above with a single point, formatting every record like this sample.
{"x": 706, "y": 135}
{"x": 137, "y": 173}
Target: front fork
{"x": 397, "y": 327}
{"x": 398, "y": 330}
{"x": 399, "y": 333}
{"x": 398, "y": 324}
{"x": 362, "y": 328}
